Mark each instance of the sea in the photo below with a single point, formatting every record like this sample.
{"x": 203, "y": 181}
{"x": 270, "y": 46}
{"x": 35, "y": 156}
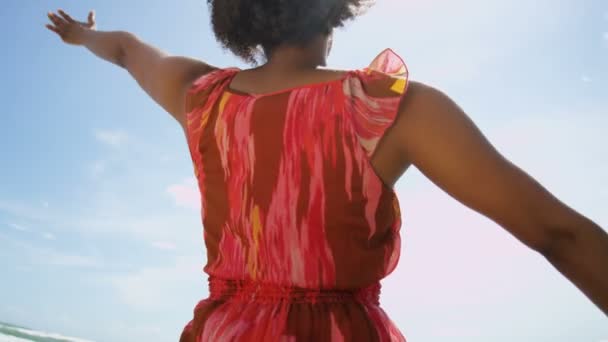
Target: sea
{"x": 14, "y": 333}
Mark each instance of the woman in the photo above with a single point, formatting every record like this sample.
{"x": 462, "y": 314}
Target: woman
{"x": 296, "y": 166}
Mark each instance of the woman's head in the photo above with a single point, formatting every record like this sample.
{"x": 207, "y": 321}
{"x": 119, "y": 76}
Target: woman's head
{"x": 255, "y": 28}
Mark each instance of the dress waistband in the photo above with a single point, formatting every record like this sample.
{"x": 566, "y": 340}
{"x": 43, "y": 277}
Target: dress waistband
{"x": 247, "y": 290}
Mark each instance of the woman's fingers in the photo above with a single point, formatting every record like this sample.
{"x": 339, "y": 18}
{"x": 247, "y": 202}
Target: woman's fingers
{"x": 56, "y": 20}
{"x": 67, "y": 28}
{"x": 59, "y": 24}
{"x": 66, "y": 16}
{"x": 91, "y": 19}
{"x": 52, "y": 28}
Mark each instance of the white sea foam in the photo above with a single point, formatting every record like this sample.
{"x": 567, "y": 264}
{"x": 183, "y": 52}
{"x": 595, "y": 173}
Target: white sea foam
{"x": 33, "y": 333}
{"x": 7, "y": 338}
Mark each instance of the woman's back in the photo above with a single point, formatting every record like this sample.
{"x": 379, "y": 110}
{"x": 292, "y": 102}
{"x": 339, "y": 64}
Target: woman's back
{"x": 297, "y": 222}
{"x": 256, "y": 82}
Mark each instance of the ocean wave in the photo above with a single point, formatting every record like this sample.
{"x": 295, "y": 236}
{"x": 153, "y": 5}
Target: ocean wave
{"x": 9, "y": 338}
{"x": 11, "y": 333}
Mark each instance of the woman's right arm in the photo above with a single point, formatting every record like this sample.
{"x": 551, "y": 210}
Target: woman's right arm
{"x": 439, "y": 138}
{"x": 164, "y": 78}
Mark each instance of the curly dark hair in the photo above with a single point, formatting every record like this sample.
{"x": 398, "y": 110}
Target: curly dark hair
{"x": 245, "y": 26}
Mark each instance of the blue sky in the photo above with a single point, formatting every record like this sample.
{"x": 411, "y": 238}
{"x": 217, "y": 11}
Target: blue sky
{"x": 100, "y": 235}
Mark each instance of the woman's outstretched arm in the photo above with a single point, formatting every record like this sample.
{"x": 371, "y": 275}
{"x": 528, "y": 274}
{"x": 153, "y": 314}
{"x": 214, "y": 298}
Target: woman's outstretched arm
{"x": 436, "y": 136}
{"x": 165, "y": 78}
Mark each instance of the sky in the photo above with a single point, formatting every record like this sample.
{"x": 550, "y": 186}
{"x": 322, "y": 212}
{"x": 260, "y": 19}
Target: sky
{"x": 100, "y": 232}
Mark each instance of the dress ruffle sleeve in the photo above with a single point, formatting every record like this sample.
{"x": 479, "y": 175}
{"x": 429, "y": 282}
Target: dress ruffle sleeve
{"x": 374, "y": 97}
{"x": 200, "y": 99}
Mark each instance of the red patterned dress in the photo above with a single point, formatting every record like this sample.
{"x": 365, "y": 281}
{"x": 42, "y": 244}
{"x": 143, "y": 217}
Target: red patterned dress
{"x": 299, "y": 228}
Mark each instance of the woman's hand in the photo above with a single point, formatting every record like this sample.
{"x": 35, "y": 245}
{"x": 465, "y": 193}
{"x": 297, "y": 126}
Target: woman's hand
{"x": 70, "y": 30}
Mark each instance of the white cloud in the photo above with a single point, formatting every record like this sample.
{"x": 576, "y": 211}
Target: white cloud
{"x": 97, "y": 167}
{"x": 24, "y": 211}
{"x": 45, "y": 204}
{"x": 164, "y": 245}
{"x": 111, "y": 138}
{"x": 37, "y": 255}
{"x": 586, "y": 79}
{"x": 605, "y": 35}
{"x": 462, "y": 41}
{"x": 48, "y": 236}
{"x": 186, "y": 194}
{"x": 148, "y": 289}
{"x": 166, "y": 158}
{"x": 113, "y": 219}
{"x": 18, "y": 227}
{"x": 70, "y": 260}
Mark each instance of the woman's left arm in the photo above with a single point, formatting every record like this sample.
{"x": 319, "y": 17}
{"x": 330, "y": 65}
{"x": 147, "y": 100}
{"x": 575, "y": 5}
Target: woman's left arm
{"x": 437, "y": 137}
{"x": 165, "y": 78}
